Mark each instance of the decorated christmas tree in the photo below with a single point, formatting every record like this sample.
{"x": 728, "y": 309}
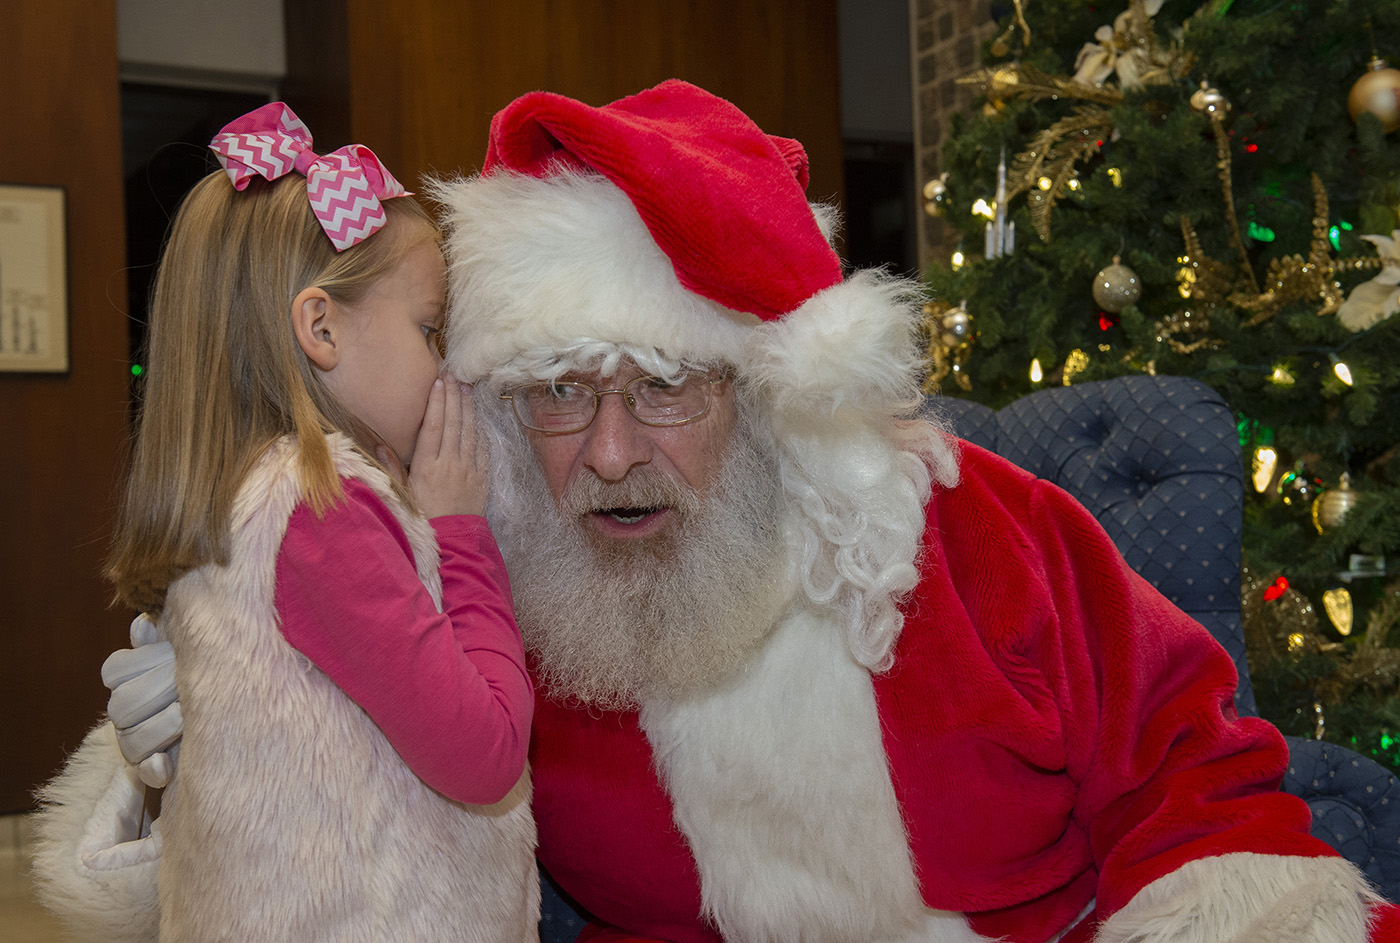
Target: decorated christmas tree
{"x": 1210, "y": 191}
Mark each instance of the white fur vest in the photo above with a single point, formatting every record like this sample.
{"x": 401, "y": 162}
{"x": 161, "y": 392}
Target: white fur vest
{"x": 291, "y": 816}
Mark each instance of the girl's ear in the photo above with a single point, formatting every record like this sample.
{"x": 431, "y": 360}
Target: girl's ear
{"x": 312, "y": 315}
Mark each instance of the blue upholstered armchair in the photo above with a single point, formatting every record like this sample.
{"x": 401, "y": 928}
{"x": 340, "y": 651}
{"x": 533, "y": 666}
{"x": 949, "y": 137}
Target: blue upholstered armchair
{"x": 1157, "y": 461}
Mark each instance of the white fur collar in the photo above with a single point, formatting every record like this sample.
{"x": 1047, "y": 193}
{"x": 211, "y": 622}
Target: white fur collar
{"x": 780, "y": 784}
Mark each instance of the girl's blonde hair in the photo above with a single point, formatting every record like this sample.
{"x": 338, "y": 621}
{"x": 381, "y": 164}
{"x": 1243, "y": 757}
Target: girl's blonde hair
{"x": 226, "y": 376}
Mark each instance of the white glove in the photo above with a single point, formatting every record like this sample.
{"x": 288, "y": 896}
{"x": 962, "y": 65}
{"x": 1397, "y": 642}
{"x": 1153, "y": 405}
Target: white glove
{"x": 145, "y": 706}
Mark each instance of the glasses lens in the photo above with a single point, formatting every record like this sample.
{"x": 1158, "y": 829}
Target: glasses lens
{"x": 553, "y": 407}
{"x": 659, "y": 403}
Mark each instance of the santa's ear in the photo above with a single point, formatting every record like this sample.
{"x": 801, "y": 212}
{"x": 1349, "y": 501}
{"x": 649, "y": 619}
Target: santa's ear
{"x": 314, "y": 322}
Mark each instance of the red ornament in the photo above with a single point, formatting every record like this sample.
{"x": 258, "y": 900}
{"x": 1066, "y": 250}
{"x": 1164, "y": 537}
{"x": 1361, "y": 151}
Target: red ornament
{"x": 1107, "y": 320}
{"x": 1279, "y": 587}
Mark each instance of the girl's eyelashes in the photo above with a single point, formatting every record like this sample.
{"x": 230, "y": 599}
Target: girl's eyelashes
{"x": 433, "y": 334}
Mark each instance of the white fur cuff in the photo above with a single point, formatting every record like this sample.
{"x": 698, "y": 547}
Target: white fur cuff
{"x": 92, "y": 868}
{"x": 1248, "y": 898}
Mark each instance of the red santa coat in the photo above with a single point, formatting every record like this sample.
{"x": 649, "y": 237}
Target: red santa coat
{"x": 1056, "y": 732}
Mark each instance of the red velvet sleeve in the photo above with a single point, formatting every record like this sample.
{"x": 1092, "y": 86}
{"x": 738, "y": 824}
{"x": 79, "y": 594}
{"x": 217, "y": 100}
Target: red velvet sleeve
{"x": 448, "y": 689}
{"x": 1167, "y": 770}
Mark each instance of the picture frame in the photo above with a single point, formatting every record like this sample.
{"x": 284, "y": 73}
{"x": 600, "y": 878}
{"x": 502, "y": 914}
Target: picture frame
{"x": 33, "y": 279}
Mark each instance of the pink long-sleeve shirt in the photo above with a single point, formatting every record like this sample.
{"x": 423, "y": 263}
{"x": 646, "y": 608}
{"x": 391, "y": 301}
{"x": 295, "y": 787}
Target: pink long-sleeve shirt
{"x": 448, "y": 689}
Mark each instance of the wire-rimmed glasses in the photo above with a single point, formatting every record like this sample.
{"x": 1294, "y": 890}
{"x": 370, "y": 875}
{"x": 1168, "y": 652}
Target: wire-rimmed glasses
{"x": 560, "y": 407}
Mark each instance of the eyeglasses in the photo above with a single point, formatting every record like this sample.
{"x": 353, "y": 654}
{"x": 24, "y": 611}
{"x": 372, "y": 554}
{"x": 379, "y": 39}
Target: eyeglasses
{"x": 562, "y": 407}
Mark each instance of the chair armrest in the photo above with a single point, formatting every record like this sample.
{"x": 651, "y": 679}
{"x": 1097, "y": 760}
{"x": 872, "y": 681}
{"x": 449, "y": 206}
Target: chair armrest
{"x": 1355, "y": 804}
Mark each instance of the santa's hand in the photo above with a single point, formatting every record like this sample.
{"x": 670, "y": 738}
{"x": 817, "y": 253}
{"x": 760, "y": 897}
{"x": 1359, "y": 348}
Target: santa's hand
{"x": 145, "y": 706}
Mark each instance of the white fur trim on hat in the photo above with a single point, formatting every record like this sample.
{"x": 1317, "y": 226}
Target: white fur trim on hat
{"x": 542, "y": 262}
{"x": 545, "y": 262}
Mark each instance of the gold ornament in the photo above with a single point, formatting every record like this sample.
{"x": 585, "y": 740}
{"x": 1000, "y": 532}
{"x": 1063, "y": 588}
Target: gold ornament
{"x": 950, "y": 333}
{"x": 1295, "y": 278}
{"x": 1282, "y": 627}
{"x": 1116, "y": 286}
{"x": 1209, "y": 100}
{"x": 1377, "y": 92}
{"x": 1331, "y": 507}
{"x": 1129, "y": 48}
{"x": 1337, "y": 603}
{"x": 935, "y": 191}
{"x": 956, "y": 328}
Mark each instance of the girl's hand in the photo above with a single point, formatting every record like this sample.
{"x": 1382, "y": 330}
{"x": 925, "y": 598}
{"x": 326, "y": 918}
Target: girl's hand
{"x": 448, "y": 470}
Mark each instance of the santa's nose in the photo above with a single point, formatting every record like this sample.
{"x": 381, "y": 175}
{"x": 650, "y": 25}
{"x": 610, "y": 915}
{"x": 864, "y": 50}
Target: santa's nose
{"x": 615, "y": 441}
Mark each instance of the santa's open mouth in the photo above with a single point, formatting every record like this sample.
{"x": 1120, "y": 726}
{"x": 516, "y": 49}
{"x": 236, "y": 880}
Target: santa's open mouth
{"x": 630, "y": 515}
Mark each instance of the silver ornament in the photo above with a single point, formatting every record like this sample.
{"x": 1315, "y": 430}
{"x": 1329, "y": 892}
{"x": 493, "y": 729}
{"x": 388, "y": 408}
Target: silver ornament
{"x": 1377, "y": 92}
{"x": 1116, "y": 286}
{"x": 955, "y": 328}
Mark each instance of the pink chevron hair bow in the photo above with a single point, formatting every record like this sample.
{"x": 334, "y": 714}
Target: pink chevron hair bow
{"x": 345, "y": 187}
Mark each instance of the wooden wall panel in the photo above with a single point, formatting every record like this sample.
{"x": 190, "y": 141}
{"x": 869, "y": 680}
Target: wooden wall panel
{"x": 424, "y": 79}
{"x": 64, "y": 434}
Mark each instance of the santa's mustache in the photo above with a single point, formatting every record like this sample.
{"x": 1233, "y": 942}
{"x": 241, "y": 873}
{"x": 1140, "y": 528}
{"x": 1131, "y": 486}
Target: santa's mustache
{"x": 644, "y": 489}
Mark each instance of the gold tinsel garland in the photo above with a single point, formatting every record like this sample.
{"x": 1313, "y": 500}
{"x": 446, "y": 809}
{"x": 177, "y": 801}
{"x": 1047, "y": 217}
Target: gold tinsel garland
{"x": 1055, "y": 153}
{"x": 1289, "y": 279}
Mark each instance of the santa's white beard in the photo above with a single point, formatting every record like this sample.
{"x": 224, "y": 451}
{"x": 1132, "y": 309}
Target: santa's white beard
{"x": 611, "y": 622}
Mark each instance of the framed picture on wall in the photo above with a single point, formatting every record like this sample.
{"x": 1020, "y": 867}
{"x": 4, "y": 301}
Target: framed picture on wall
{"x": 33, "y": 279}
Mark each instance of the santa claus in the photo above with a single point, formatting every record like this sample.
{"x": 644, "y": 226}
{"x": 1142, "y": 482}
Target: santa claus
{"x": 810, "y": 669}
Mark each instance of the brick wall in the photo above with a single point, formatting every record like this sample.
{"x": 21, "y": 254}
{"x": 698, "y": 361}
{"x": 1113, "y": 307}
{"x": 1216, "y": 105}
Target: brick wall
{"x": 947, "y": 37}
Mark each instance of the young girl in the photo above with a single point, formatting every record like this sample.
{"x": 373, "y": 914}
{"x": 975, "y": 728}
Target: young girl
{"x": 356, "y": 708}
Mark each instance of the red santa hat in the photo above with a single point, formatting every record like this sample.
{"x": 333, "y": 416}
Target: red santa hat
{"x": 722, "y": 199}
{"x": 669, "y": 220}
